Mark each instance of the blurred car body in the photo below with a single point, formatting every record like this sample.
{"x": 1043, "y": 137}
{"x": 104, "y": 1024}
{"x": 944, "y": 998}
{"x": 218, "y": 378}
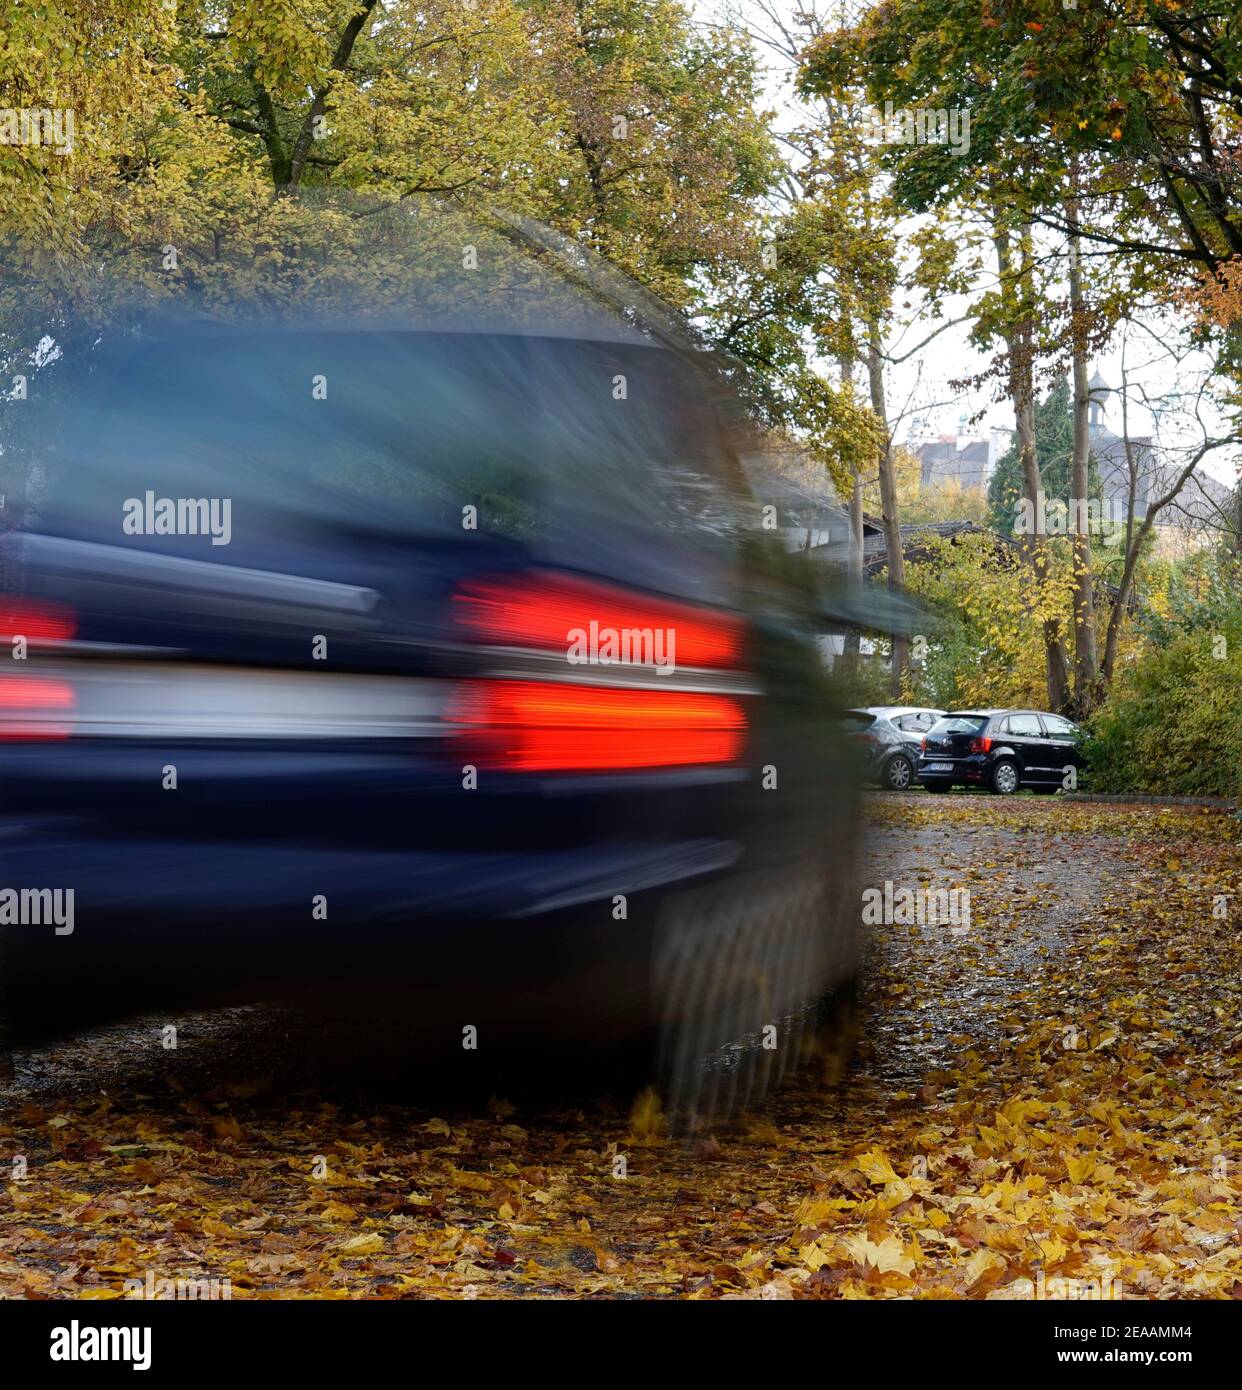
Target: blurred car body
{"x": 1000, "y": 749}
{"x": 391, "y": 727}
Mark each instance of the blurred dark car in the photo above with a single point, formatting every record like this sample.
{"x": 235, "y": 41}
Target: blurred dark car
{"x": 885, "y": 754}
{"x": 1001, "y": 749}
{"x": 431, "y": 660}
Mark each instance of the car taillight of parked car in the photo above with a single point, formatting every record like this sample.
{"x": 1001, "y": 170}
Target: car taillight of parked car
{"x": 569, "y": 714}
{"x": 980, "y": 745}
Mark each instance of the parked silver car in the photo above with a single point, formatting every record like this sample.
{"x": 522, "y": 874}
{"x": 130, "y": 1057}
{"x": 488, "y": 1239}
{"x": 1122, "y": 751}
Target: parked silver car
{"x": 910, "y": 723}
{"x": 890, "y": 753}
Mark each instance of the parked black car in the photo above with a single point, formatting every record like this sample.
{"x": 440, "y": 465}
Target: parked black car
{"x": 886, "y": 755}
{"x": 1001, "y": 749}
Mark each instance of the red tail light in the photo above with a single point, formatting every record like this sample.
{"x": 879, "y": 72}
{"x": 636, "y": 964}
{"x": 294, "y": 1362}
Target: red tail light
{"x": 579, "y": 723}
{"x": 545, "y": 611}
{"x": 33, "y": 707}
{"x": 923, "y": 744}
{"x": 36, "y": 622}
{"x": 980, "y": 745}
{"x": 541, "y": 726}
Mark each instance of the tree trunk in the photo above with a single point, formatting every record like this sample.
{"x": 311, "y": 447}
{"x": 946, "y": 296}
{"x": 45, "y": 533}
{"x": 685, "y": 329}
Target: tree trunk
{"x": 1020, "y": 343}
{"x": 288, "y": 161}
{"x": 894, "y": 558}
{"x": 854, "y": 573}
{"x": 1117, "y": 616}
{"x": 854, "y": 567}
{"x": 1136, "y": 539}
{"x": 1086, "y": 661}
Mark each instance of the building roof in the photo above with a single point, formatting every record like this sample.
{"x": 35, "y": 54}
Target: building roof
{"x": 915, "y": 541}
{"x": 943, "y": 461}
{"x": 1199, "y": 503}
{"x": 805, "y": 500}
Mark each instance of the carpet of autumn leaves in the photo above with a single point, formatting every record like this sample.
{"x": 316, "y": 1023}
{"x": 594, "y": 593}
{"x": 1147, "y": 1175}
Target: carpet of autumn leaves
{"x": 1056, "y": 1090}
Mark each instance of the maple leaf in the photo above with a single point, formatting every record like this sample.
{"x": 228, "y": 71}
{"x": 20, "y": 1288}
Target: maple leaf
{"x": 875, "y": 1167}
{"x": 884, "y": 1256}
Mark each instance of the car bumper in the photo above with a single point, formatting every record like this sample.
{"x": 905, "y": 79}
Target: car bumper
{"x": 165, "y": 924}
{"x": 960, "y": 771}
{"x": 250, "y": 884}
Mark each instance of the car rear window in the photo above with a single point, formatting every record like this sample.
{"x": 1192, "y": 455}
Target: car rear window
{"x": 916, "y": 723}
{"x": 397, "y": 431}
{"x": 854, "y": 720}
{"x": 960, "y": 724}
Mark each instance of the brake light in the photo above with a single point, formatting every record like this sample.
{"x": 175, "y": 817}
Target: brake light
{"x": 548, "y": 611}
{"x": 33, "y": 707}
{"x": 980, "y": 745}
{"x": 544, "y": 726}
{"x": 579, "y": 723}
{"x": 923, "y": 744}
{"x": 36, "y": 622}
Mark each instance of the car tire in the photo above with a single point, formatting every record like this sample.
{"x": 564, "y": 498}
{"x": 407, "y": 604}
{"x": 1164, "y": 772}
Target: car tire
{"x": 836, "y": 1031}
{"x": 938, "y": 786}
{"x": 899, "y": 774}
{"x": 730, "y": 960}
{"x": 1004, "y": 778}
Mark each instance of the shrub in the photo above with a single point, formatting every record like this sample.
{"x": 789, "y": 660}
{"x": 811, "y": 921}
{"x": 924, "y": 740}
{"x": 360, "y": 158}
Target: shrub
{"x": 1173, "y": 722}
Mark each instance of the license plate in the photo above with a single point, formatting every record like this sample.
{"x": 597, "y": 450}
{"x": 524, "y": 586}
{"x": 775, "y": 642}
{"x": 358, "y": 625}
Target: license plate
{"x": 938, "y": 767}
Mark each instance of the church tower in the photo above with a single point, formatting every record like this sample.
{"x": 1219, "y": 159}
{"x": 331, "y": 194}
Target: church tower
{"x": 1097, "y": 389}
